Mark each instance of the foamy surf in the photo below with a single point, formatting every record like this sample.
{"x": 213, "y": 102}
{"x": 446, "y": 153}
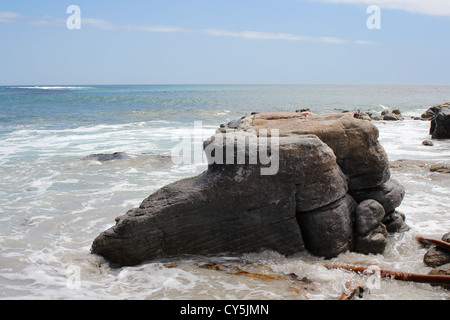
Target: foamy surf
{"x": 54, "y": 202}
{"x": 52, "y": 88}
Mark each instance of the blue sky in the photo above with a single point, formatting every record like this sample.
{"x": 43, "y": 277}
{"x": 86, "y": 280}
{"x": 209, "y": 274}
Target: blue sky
{"x": 225, "y": 42}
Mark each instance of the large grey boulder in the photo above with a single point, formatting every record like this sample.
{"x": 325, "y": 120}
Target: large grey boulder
{"x": 279, "y": 181}
{"x": 228, "y": 208}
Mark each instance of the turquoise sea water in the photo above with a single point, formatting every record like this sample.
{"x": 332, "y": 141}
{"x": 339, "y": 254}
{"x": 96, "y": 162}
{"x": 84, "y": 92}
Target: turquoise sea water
{"x": 55, "y": 202}
{"x": 64, "y": 107}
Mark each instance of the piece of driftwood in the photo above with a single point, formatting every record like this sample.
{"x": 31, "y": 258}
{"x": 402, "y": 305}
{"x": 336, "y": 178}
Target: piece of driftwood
{"x": 438, "y": 243}
{"x": 403, "y": 276}
{"x": 302, "y": 285}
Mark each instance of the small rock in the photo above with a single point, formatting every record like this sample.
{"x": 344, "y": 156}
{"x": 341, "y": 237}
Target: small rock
{"x": 395, "y": 222}
{"x": 368, "y": 215}
{"x": 390, "y": 117}
{"x": 436, "y": 257}
{"x": 440, "y": 167}
{"x": 362, "y": 115}
{"x": 428, "y": 143}
{"x": 428, "y": 115}
{"x": 390, "y": 195}
{"x": 374, "y": 242}
{"x": 233, "y": 124}
{"x": 446, "y": 237}
{"x": 443, "y": 270}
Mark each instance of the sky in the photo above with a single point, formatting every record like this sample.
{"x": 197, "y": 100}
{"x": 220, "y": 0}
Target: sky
{"x": 225, "y": 42}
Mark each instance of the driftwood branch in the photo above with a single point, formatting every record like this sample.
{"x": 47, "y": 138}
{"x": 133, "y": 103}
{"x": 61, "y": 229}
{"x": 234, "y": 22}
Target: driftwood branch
{"x": 403, "y": 276}
{"x": 438, "y": 243}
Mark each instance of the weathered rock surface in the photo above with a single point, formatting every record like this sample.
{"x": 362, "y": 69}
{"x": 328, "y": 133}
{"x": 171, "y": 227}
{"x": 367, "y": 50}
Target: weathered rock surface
{"x": 395, "y": 115}
{"x": 289, "y": 194}
{"x": 368, "y": 215}
{"x": 431, "y": 112}
{"x": 354, "y": 142}
{"x": 374, "y": 241}
{"x": 328, "y": 231}
{"x": 229, "y": 208}
{"x": 390, "y": 195}
{"x": 395, "y": 221}
{"x": 440, "y": 124}
{"x": 370, "y": 232}
{"x": 443, "y": 270}
{"x": 436, "y": 257}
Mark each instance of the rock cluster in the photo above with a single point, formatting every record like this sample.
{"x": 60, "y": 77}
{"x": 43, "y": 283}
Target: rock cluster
{"x": 395, "y": 115}
{"x": 386, "y": 115}
{"x": 329, "y": 192}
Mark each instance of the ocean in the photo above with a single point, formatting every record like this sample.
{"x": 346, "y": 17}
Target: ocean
{"x": 56, "y": 199}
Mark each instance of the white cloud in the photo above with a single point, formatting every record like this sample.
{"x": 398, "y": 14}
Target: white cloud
{"x": 427, "y": 7}
{"x": 6, "y": 16}
{"x": 156, "y": 28}
{"x": 250, "y": 35}
{"x": 98, "y": 23}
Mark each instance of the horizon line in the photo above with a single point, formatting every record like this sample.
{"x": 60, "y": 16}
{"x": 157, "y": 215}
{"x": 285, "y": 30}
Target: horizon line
{"x": 221, "y": 84}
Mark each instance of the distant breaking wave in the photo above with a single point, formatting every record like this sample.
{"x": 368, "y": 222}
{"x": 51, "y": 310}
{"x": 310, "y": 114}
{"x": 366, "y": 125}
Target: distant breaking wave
{"x": 52, "y": 88}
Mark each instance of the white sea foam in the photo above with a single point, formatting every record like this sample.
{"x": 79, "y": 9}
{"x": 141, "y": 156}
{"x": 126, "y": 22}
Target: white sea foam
{"x": 52, "y": 88}
{"x": 54, "y": 204}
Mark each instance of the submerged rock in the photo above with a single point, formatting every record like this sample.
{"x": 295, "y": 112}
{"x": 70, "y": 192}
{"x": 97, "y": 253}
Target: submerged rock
{"x": 102, "y": 157}
{"x": 443, "y": 270}
{"x": 440, "y": 167}
{"x": 277, "y": 181}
